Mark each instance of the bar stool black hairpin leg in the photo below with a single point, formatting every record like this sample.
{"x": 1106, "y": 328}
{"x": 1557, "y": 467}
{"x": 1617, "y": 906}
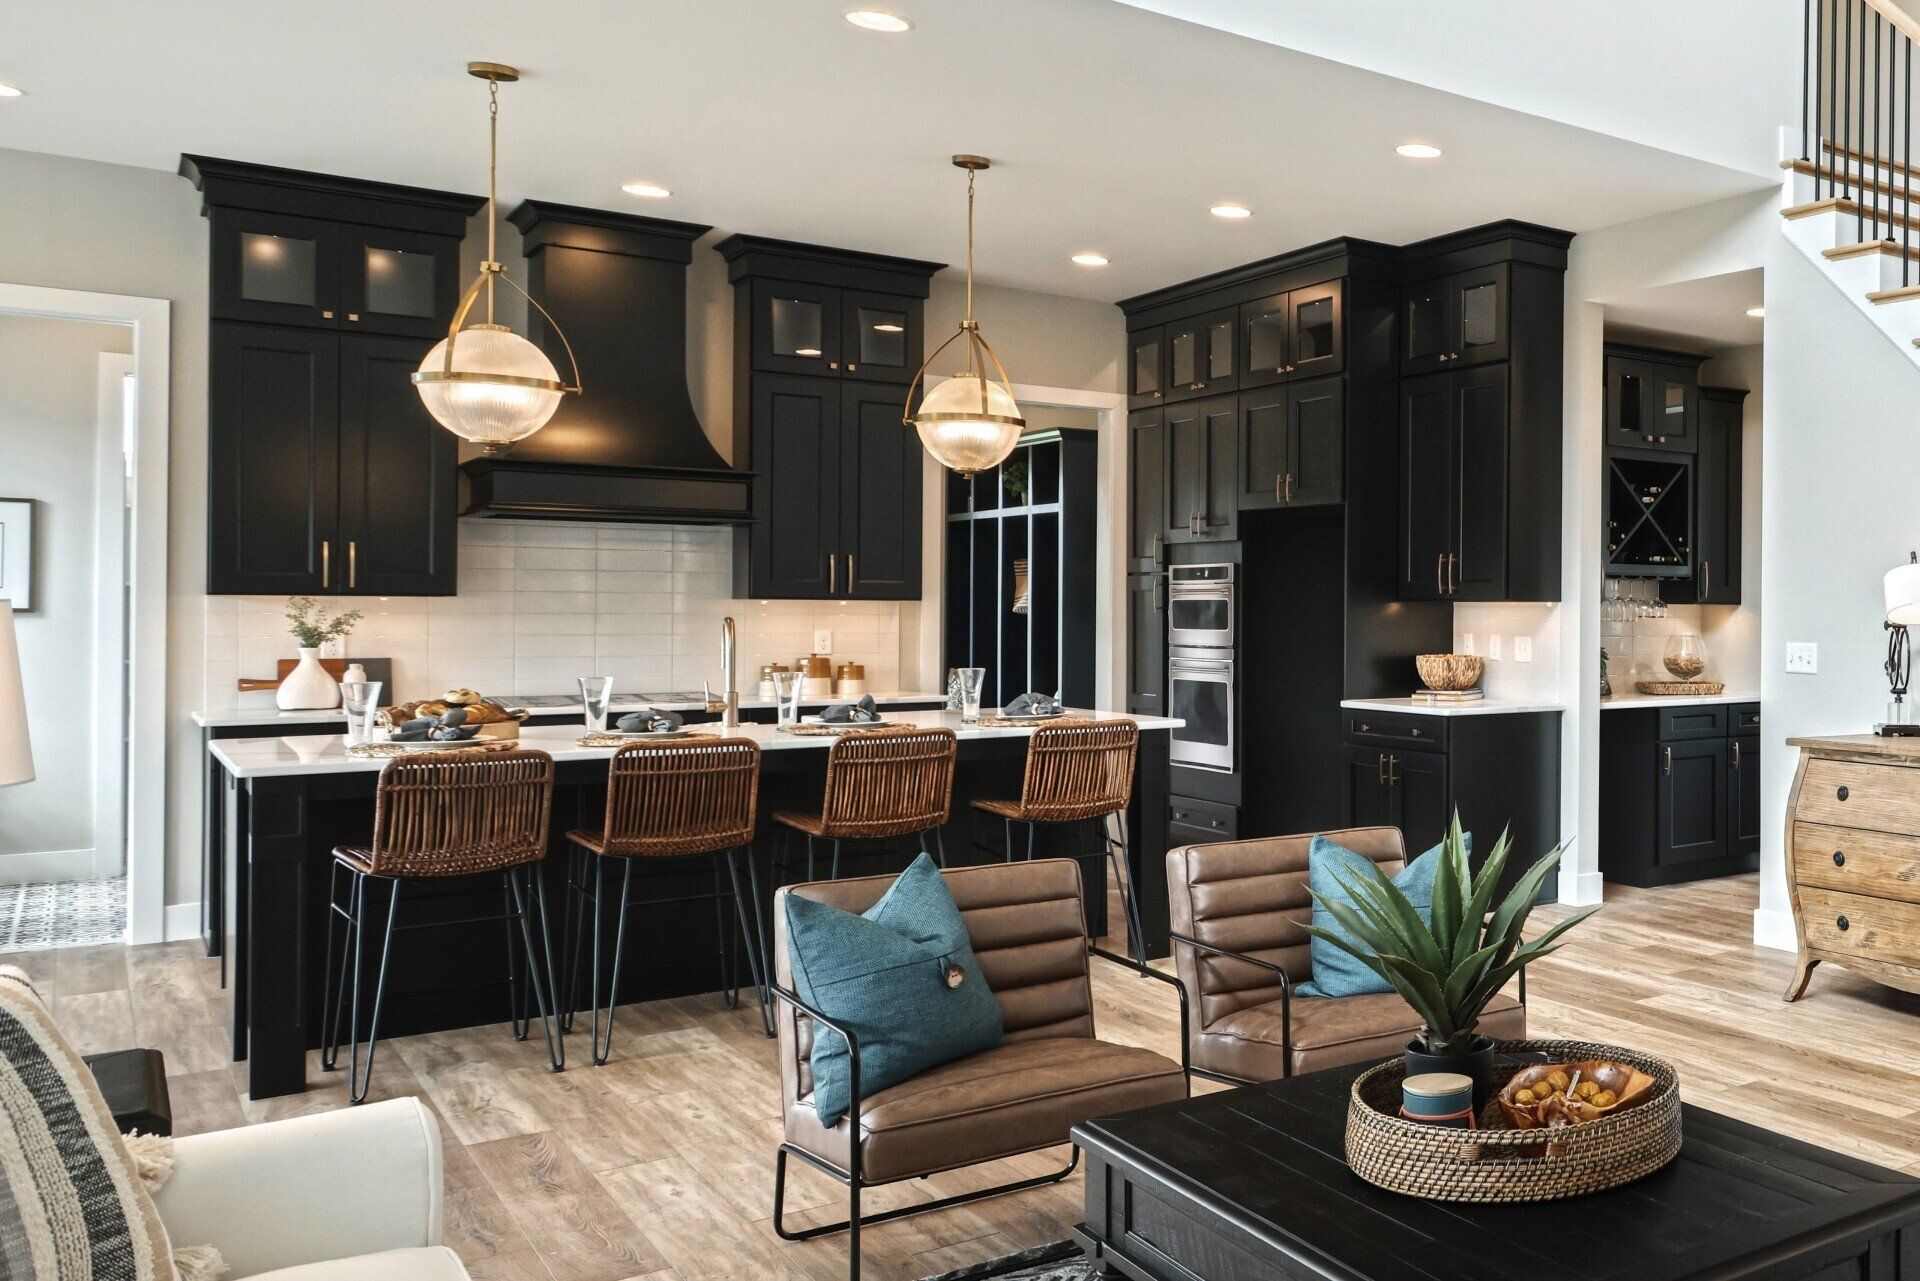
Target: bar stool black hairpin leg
{"x": 750, "y": 930}
{"x": 528, "y": 894}
{"x": 1117, "y": 852}
{"x": 574, "y": 929}
{"x": 359, "y": 1078}
{"x": 336, "y": 990}
{"x": 516, "y": 1002}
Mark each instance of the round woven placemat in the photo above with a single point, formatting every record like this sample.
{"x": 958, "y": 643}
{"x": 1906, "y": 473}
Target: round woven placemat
{"x": 818, "y": 729}
{"x": 390, "y": 750}
{"x": 621, "y": 740}
{"x": 1488, "y": 1164}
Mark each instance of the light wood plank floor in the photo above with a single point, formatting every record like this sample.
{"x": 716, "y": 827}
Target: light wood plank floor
{"x": 659, "y": 1165}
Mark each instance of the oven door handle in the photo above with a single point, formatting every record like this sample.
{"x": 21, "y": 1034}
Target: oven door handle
{"x": 1200, "y": 665}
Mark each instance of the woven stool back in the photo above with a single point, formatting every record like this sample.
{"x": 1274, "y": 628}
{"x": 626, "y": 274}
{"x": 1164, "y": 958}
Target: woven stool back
{"x": 885, "y": 783}
{"x": 1079, "y": 770}
{"x": 461, "y": 813}
{"x": 690, "y": 796}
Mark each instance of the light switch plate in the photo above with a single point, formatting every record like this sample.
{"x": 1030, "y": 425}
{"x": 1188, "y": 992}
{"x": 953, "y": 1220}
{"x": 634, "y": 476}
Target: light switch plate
{"x": 1493, "y": 647}
{"x": 1803, "y": 657}
{"x": 823, "y": 640}
{"x": 335, "y": 648}
{"x": 1523, "y": 649}
{"x": 1467, "y": 644}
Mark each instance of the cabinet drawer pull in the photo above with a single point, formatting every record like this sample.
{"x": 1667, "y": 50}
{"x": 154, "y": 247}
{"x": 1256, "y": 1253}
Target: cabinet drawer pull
{"x": 353, "y": 562}
{"x": 1841, "y": 792}
{"x": 1214, "y": 822}
{"x": 833, "y": 364}
{"x": 354, "y": 316}
{"x": 852, "y": 368}
{"x": 1736, "y": 756}
{"x": 1415, "y": 731}
{"x": 326, "y": 315}
{"x": 832, "y": 579}
{"x": 1842, "y": 924}
{"x": 326, "y": 563}
{"x": 1439, "y": 574}
{"x": 1668, "y": 752}
{"x": 1365, "y": 728}
{"x": 1839, "y": 858}
{"x": 1180, "y": 814}
{"x": 1453, "y": 574}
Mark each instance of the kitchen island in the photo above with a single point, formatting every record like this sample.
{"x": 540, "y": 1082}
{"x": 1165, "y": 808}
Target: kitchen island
{"x": 288, "y": 800}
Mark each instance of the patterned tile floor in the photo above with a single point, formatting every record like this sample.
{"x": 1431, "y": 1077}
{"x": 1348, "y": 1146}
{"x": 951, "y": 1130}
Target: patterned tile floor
{"x": 34, "y": 918}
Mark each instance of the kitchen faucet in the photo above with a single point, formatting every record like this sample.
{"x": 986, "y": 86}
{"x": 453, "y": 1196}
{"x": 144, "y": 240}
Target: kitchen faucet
{"x": 728, "y": 704}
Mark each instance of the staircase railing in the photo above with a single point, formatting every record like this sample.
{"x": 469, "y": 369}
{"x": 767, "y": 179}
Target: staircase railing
{"x": 1856, "y": 117}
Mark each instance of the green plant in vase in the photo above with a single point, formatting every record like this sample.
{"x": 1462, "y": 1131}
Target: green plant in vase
{"x": 1014, "y": 476}
{"x": 1447, "y": 963}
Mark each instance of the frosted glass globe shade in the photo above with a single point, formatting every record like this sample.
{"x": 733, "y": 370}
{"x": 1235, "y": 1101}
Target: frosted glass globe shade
{"x": 492, "y": 410}
{"x": 959, "y": 433}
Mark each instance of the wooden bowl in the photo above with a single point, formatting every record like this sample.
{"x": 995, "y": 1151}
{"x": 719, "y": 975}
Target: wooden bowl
{"x": 1449, "y": 671}
{"x": 1628, "y": 1085}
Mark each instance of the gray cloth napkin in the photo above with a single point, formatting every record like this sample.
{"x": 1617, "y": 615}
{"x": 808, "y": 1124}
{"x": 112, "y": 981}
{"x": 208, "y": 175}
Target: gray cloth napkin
{"x": 859, "y": 713}
{"x": 651, "y": 721}
{"x": 1035, "y": 704}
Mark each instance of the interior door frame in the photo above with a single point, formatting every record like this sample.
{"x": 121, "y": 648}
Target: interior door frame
{"x": 146, "y": 829}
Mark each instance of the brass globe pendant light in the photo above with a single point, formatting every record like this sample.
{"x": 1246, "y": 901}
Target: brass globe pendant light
{"x": 969, "y": 422}
{"x": 487, "y": 384}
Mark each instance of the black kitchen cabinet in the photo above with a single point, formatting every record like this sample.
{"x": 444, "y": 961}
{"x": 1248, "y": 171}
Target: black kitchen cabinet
{"x": 1297, "y": 334}
{"x": 1680, "y": 792}
{"x": 1717, "y": 501}
{"x": 1458, "y": 319}
{"x": 1202, "y": 355}
{"x": 1292, "y": 444}
{"x": 1193, "y": 821}
{"x": 1202, "y": 486}
{"x": 1147, "y": 644}
{"x": 825, "y": 341}
{"x": 1147, "y": 460}
{"x": 1146, "y": 368}
{"x": 1455, "y": 498}
{"x": 1652, "y": 398}
{"x": 326, "y": 474}
{"x": 1412, "y": 771}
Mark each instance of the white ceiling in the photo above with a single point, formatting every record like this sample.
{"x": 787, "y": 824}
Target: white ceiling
{"x": 1693, "y": 315}
{"x": 1712, "y": 79}
{"x": 1111, "y": 128}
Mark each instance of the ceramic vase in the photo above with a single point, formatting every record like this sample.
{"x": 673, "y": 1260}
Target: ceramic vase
{"x": 308, "y": 687}
{"x": 1476, "y": 1064}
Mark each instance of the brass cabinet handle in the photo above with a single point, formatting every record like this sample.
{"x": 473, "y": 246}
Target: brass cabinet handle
{"x": 1439, "y": 570}
{"x": 849, "y": 571}
{"x": 852, "y": 368}
{"x": 1289, "y": 486}
{"x": 1393, "y": 771}
{"x": 326, "y": 562}
{"x": 1179, "y": 814}
{"x": 1736, "y": 755}
{"x": 1669, "y": 755}
{"x": 832, "y": 581}
{"x": 354, "y": 316}
{"x": 833, "y": 364}
{"x": 1380, "y": 768}
{"x": 326, "y": 315}
{"x": 1276, "y": 488}
{"x": 1453, "y": 572}
{"x": 353, "y": 562}
{"x": 1706, "y": 589}
{"x": 1216, "y": 823}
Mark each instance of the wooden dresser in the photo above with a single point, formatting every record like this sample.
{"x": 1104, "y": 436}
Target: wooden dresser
{"x": 1853, "y": 857}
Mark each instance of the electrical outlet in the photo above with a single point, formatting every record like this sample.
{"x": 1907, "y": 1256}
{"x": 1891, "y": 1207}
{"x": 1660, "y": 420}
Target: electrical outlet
{"x": 335, "y": 648}
{"x": 1493, "y": 647}
{"x": 1467, "y": 644}
{"x": 1803, "y": 657}
{"x": 823, "y": 640}
{"x": 1523, "y": 649}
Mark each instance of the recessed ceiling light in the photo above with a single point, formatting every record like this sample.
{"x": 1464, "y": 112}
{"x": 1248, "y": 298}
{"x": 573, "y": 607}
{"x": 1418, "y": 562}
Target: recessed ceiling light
{"x": 1418, "y": 150}
{"x": 1757, "y": 312}
{"x": 1231, "y": 211}
{"x": 8, "y": 91}
{"x": 1091, "y": 259}
{"x": 890, "y": 329}
{"x": 647, "y": 190}
{"x": 878, "y": 20}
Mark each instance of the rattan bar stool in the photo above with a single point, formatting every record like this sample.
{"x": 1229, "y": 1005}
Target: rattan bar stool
{"x": 676, "y": 799}
{"x": 1079, "y": 771}
{"x": 882, "y": 785}
{"x": 437, "y": 816}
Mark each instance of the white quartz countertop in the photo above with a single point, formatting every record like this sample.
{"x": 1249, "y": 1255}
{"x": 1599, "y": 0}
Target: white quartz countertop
{"x": 327, "y": 753}
{"x": 1632, "y": 698}
{"x": 268, "y": 717}
{"x": 1420, "y": 707}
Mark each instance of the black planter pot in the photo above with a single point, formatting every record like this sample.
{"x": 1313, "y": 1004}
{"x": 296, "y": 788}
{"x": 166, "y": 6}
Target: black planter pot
{"x": 1475, "y": 1064}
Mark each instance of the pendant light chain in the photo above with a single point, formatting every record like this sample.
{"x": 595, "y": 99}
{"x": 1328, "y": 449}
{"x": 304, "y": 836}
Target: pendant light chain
{"x": 493, "y": 171}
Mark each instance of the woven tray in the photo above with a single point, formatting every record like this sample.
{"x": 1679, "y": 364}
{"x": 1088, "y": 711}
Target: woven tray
{"x": 1489, "y": 1164}
{"x": 1681, "y": 687}
{"x": 994, "y": 719}
{"x": 815, "y": 729}
{"x": 594, "y": 739}
{"x": 391, "y": 750}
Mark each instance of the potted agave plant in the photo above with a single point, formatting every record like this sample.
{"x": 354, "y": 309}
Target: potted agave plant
{"x": 1450, "y": 962}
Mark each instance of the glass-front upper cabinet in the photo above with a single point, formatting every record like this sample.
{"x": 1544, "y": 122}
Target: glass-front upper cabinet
{"x": 796, "y": 328}
{"x": 881, "y": 338}
{"x": 1652, "y": 399}
{"x": 1264, "y": 357}
{"x": 1675, "y": 408}
{"x": 398, "y": 282}
{"x": 1628, "y": 384}
{"x": 1203, "y": 356}
{"x": 1146, "y": 368}
{"x": 1454, "y": 320}
{"x": 275, "y": 268}
{"x": 1292, "y": 335}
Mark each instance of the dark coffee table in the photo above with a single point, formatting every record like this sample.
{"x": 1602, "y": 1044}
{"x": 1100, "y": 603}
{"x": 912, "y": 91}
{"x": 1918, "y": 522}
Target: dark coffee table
{"x": 1253, "y": 1185}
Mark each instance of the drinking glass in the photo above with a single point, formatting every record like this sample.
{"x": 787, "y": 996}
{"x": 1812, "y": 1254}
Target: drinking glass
{"x": 786, "y": 696}
{"x": 971, "y": 679}
{"x": 596, "y": 693}
{"x": 361, "y": 699}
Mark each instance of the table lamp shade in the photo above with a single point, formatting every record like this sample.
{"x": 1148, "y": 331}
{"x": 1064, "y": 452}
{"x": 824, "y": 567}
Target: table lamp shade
{"x": 16, "y": 752}
{"x": 1902, "y": 588}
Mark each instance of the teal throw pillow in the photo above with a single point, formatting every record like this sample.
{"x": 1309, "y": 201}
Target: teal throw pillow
{"x": 902, "y": 977}
{"x": 1337, "y": 972}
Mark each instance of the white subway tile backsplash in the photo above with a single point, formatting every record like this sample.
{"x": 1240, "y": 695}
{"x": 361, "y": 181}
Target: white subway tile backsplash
{"x": 541, "y": 604}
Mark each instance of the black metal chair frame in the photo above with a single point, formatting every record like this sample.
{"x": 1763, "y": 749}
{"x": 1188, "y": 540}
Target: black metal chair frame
{"x": 744, "y": 933}
{"x": 520, "y": 886}
{"x": 1286, "y": 1010}
{"x": 852, "y": 1179}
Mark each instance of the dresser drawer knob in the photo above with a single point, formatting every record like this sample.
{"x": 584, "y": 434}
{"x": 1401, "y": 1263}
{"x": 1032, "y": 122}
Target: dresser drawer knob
{"x": 1843, "y": 924}
{"x": 1841, "y": 793}
{"x": 1839, "y": 858}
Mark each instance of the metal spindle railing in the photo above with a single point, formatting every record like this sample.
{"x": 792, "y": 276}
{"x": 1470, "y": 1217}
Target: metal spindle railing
{"x": 1856, "y": 118}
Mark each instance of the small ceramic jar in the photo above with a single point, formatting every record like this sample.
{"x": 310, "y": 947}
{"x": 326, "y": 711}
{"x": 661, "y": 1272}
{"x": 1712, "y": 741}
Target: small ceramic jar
{"x": 1439, "y": 1098}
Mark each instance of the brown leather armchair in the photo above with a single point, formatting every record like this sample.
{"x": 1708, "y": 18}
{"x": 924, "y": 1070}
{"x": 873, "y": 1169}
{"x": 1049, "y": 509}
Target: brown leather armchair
{"x": 1237, "y": 908}
{"x": 1027, "y": 927}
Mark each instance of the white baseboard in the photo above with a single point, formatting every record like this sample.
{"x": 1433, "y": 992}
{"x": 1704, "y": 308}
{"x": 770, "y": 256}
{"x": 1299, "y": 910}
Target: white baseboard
{"x": 1773, "y": 927}
{"x": 183, "y": 921}
{"x": 1581, "y": 889}
{"x": 34, "y": 867}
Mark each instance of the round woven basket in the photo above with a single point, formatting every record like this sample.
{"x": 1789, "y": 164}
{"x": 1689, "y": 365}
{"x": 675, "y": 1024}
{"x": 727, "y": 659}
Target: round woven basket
{"x": 1448, "y": 671}
{"x": 1444, "y": 1164}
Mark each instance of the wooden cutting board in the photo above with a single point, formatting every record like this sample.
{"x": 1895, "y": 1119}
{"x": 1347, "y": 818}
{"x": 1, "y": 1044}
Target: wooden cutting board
{"x": 378, "y": 669}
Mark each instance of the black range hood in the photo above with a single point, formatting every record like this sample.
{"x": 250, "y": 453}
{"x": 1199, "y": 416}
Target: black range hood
{"x": 628, "y": 447}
